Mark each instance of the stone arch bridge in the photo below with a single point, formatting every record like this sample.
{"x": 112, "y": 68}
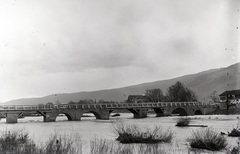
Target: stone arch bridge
{"x": 74, "y": 112}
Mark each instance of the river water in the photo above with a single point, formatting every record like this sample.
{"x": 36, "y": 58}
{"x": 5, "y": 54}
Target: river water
{"x": 89, "y": 127}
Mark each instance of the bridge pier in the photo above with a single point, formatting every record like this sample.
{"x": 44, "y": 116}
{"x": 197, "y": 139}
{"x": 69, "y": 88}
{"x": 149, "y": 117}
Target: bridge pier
{"x": 12, "y": 117}
{"x": 140, "y": 113}
{"x": 159, "y": 112}
{"x": 104, "y": 115}
{"x": 49, "y": 117}
{"x": 166, "y": 112}
{"x": 160, "y": 115}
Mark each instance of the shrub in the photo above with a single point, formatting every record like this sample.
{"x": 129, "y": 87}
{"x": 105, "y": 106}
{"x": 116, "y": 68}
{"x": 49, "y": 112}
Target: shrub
{"x": 207, "y": 139}
{"x": 236, "y": 149}
{"x": 16, "y": 141}
{"x": 183, "y": 121}
{"x": 71, "y": 144}
{"x": 235, "y": 131}
{"x": 62, "y": 144}
{"x": 59, "y": 145}
{"x": 102, "y": 146}
{"x": 132, "y": 133}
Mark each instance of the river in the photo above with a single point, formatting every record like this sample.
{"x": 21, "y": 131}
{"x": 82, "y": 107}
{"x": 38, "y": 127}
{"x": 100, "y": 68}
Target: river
{"x": 89, "y": 127}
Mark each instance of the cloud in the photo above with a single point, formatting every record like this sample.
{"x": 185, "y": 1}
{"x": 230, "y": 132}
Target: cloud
{"x": 148, "y": 41}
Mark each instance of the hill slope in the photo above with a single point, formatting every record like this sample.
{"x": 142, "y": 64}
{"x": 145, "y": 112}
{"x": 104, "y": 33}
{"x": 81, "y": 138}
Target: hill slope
{"x": 203, "y": 83}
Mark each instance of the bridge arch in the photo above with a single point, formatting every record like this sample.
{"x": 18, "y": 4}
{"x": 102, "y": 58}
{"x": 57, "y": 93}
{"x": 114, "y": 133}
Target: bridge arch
{"x": 117, "y": 113}
{"x": 159, "y": 112}
{"x": 133, "y": 111}
{"x": 137, "y": 113}
{"x": 198, "y": 112}
{"x": 124, "y": 111}
{"x": 180, "y": 111}
{"x": 97, "y": 114}
{"x": 68, "y": 115}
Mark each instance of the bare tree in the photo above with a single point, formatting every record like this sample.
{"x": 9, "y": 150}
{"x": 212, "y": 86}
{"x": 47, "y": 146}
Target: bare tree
{"x": 228, "y": 104}
{"x": 214, "y": 96}
{"x": 154, "y": 95}
{"x": 179, "y": 93}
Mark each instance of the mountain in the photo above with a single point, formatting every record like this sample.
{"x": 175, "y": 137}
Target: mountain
{"x": 203, "y": 84}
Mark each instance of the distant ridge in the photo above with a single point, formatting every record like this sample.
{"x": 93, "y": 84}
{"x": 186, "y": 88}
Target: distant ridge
{"x": 203, "y": 83}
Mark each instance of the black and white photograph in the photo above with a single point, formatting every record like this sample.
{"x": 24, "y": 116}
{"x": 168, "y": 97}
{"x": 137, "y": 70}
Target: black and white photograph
{"x": 119, "y": 77}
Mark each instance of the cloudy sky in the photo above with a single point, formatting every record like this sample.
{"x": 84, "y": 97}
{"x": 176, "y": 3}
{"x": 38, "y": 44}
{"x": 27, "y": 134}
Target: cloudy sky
{"x": 64, "y": 46}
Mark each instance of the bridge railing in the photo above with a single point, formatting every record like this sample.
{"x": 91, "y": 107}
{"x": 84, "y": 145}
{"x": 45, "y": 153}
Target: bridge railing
{"x": 26, "y": 107}
{"x": 104, "y": 106}
{"x": 130, "y": 105}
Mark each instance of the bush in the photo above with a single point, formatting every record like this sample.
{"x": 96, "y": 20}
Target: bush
{"x": 234, "y": 133}
{"x": 183, "y": 121}
{"x": 16, "y": 141}
{"x": 132, "y": 133}
{"x": 236, "y": 149}
{"x": 207, "y": 139}
{"x": 71, "y": 144}
{"x": 102, "y": 146}
{"x": 59, "y": 145}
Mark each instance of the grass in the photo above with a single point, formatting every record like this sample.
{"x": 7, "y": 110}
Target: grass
{"x": 207, "y": 139}
{"x": 18, "y": 142}
{"x": 183, "y": 121}
{"x": 102, "y": 146}
{"x": 132, "y": 133}
{"x": 236, "y": 149}
{"x": 64, "y": 144}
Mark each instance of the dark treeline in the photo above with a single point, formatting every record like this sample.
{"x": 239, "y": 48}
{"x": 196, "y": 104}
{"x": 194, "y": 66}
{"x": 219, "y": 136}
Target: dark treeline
{"x": 175, "y": 93}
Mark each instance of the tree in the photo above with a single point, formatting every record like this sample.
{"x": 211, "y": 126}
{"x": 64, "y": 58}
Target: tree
{"x": 190, "y": 95}
{"x": 229, "y": 103}
{"x": 214, "y": 96}
{"x": 179, "y": 93}
{"x": 154, "y": 95}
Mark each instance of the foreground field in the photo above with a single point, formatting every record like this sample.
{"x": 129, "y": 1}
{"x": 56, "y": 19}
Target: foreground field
{"x": 88, "y": 132}
{"x": 19, "y": 142}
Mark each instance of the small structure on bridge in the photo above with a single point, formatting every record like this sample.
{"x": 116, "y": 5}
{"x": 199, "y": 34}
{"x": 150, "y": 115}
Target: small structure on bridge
{"x": 233, "y": 96}
{"x": 137, "y": 99}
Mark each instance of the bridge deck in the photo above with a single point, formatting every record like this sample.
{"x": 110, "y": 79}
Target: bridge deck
{"x": 100, "y": 106}
{"x": 103, "y": 110}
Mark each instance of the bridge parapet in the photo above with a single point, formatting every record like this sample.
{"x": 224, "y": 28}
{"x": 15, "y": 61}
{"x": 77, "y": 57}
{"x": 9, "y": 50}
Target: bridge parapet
{"x": 105, "y": 106}
{"x": 101, "y": 106}
{"x": 23, "y": 107}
